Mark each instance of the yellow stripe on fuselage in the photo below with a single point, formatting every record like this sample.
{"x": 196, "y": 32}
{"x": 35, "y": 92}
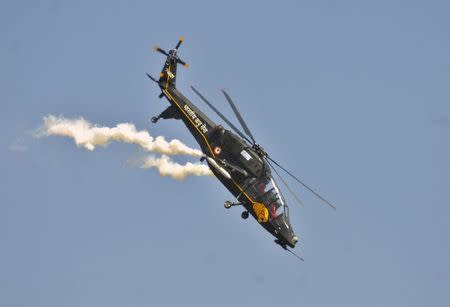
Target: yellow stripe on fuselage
{"x": 206, "y": 140}
{"x": 193, "y": 124}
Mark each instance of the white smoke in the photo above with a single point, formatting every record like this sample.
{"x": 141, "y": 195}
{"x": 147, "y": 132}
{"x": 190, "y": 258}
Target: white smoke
{"x": 88, "y": 135}
{"x": 167, "y": 167}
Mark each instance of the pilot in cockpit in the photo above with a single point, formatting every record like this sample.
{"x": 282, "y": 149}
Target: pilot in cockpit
{"x": 268, "y": 196}
{"x": 273, "y": 209}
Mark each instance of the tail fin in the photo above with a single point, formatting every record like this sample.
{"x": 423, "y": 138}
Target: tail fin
{"x": 168, "y": 75}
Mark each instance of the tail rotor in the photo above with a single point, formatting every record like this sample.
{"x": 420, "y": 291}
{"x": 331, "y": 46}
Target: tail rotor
{"x": 172, "y": 54}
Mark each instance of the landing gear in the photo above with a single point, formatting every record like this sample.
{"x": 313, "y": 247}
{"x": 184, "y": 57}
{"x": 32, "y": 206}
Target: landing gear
{"x": 170, "y": 112}
{"x": 228, "y": 204}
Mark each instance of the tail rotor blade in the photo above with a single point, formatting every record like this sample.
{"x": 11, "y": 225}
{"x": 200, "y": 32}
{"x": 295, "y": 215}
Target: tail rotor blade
{"x": 221, "y": 115}
{"x": 303, "y": 184}
{"x": 179, "y": 43}
{"x": 182, "y": 63}
{"x": 161, "y": 50}
{"x": 238, "y": 115}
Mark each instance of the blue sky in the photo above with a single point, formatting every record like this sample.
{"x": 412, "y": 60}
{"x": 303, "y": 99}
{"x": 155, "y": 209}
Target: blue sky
{"x": 353, "y": 96}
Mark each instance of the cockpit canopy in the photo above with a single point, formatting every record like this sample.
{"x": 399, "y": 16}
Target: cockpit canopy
{"x": 268, "y": 193}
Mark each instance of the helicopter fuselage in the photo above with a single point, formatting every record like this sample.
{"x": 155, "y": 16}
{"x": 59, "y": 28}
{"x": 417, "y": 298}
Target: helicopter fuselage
{"x": 238, "y": 165}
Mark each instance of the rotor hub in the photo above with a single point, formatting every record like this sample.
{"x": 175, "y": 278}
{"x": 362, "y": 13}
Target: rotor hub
{"x": 173, "y": 53}
{"x": 260, "y": 150}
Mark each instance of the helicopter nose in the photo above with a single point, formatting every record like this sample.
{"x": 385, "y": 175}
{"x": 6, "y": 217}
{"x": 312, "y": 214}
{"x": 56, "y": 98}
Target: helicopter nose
{"x": 294, "y": 239}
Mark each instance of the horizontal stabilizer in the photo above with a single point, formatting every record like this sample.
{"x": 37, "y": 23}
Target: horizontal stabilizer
{"x": 153, "y": 79}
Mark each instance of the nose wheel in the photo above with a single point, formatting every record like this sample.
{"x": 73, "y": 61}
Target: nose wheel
{"x": 245, "y": 215}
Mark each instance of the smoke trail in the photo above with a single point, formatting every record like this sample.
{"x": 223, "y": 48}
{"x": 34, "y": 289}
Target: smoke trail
{"x": 89, "y": 136}
{"x": 166, "y": 167}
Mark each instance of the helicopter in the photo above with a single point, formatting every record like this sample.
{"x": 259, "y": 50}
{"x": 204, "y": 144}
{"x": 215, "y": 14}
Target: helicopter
{"x": 234, "y": 157}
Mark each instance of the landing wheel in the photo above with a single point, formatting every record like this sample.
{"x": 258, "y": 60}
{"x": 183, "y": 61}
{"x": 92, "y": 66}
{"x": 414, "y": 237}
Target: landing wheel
{"x": 154, "y": 119}
{"x": 244, "y": 215}
{"x": 228, "y": 204}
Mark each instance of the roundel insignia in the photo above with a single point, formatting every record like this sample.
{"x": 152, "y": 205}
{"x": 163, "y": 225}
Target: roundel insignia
{"x": 217, "y": 150}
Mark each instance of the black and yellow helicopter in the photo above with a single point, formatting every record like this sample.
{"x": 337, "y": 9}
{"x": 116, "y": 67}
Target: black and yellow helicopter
{"x": 242, "y": 165}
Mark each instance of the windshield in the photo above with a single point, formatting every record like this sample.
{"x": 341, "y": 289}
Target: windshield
{"x": 270, "y": 195}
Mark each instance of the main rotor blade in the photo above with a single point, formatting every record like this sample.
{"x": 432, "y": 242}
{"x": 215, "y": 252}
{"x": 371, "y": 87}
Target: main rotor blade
{"x": 303, "y": 184}
{"x": 221, "y": 115}
{"x": 238, "y": 115}
{"x": 290, "y": 251}
{"x": 285, "y": 183}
